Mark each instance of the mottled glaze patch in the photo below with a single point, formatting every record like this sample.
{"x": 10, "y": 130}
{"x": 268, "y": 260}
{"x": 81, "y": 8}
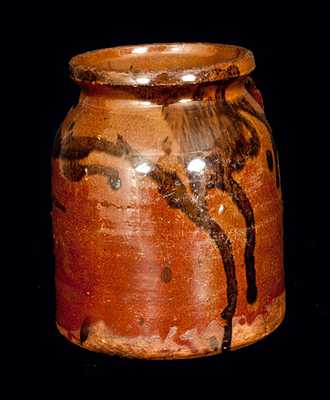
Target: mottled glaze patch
{"x": 214, "y": 345}
{"x": 191, "y": 343}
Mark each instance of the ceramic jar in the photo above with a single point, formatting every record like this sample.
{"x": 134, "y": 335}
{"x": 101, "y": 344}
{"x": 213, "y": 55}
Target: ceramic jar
{"x": 167, "y": 210}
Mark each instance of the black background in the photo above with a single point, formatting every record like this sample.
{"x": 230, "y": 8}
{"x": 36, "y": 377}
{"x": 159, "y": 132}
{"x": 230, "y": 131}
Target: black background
{"x": 291, "y": 71}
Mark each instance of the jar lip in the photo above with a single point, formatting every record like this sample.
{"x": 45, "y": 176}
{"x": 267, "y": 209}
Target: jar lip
{"x": 161, "y": 64}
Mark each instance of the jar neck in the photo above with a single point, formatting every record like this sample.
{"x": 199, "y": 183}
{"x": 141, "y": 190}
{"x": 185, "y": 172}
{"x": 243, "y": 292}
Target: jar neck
{"x": 222, "y": 90}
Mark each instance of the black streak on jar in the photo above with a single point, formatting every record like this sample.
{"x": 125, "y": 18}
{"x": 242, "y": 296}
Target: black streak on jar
{"x": 270, "y": 161}
{"x": 58, "y": 204}
{"x": 246, "y": 106}
{"x": 71, "y": 126}
{"x": 84, "y": 330}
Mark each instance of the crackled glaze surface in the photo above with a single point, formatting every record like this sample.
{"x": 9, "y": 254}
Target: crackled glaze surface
{"x": 167, "y": 207}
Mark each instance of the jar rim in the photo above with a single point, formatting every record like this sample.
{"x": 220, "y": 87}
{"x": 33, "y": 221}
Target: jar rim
{"x": 161, "y": 64}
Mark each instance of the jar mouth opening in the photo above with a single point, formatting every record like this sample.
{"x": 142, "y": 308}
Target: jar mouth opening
{"x": 163, "y": 64}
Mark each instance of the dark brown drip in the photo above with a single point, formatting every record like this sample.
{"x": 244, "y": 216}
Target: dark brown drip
{"x": 270, "y": 162}
{"x": 84, "y": 330}
{"x": 75, "y": 171}
{"x": 246, "y": 106}
{"x": 243, "y": 204}
{"x": 166, "y": 275}
{"x": 58, "y": 204}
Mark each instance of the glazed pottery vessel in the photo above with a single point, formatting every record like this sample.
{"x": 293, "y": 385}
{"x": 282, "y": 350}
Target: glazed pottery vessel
{"x": 167, "y": 210}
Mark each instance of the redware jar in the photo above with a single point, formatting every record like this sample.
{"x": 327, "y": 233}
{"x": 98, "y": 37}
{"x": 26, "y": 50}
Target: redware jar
{"x": 167, "y": 211}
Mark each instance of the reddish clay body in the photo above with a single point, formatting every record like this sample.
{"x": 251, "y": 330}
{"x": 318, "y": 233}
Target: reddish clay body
{"x": 167, "y": 211}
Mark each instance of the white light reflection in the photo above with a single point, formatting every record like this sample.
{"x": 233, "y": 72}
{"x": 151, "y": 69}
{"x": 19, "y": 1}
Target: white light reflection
{"x": 185, "y": 101}
{"x": 140, "y": 50}
{"x": 188, "y": 78}
{"x": 143, "y": 80}
{"x": 196, "y": 165}
{"x": 221, "y": 209}
{"x": 143, "y": 168}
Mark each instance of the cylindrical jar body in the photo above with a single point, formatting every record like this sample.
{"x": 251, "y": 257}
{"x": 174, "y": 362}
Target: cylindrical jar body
{"x": 167, "y": 219}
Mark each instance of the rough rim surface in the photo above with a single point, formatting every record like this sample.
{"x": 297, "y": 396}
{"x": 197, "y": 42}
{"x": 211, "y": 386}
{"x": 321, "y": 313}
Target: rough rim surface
{"x": 166, "y": 64}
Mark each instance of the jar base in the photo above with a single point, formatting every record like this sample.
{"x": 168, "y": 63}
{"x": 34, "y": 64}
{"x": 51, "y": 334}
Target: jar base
{"x": 152, "y": 348}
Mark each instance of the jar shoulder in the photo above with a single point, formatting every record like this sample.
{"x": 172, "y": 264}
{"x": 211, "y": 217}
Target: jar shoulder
{"x": 230, "y": 125}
